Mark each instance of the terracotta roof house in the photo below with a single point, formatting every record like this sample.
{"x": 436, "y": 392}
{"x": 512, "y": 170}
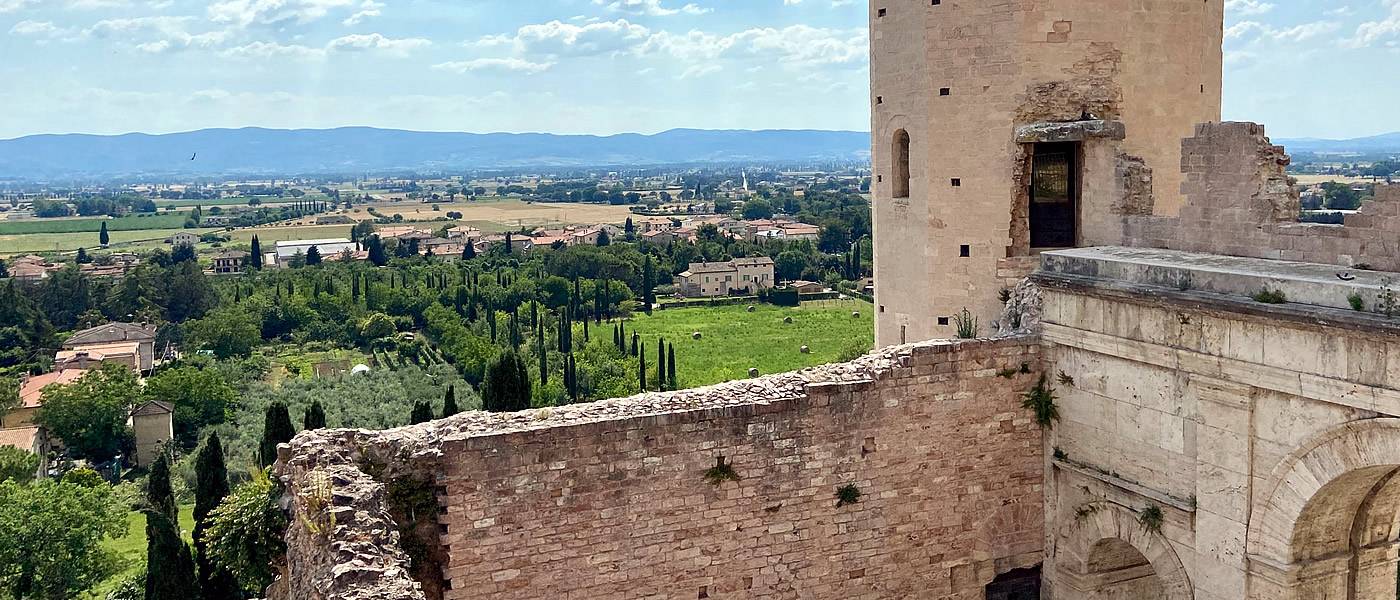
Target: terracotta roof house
{"x": 31, "y": 392}
{"x": 741, "y": 275}
{"x": 34, "y": 440}
{"x": 125, "y": 343}
{"x": 229, "y": 262}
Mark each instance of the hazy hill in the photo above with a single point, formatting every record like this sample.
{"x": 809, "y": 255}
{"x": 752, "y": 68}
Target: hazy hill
{"x": 1384, "y": 143}
{"x": 359, "y": 149}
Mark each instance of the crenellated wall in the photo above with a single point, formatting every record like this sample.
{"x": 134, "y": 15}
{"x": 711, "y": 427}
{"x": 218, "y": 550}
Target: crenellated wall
{"x": 611, "y": 499}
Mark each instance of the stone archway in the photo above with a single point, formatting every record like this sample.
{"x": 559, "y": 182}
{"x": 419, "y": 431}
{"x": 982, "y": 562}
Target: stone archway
{"x": 1327, "y": 520}
{"x": 1104, "y": 552}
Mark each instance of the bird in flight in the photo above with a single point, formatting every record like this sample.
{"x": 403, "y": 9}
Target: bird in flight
{"x": 194, "y": 155}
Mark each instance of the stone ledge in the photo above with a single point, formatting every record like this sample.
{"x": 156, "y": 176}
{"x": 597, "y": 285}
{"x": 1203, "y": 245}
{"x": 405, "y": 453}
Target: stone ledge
{"x": 1073, "y": 131}
{"x": 1183, "y": 505}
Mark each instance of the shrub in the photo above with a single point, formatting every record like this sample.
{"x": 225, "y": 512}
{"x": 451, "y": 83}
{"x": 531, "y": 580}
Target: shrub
{"x": 966, "y": 324}
{"x": 847, "y": 494}
{"x": 1041, "y": 400}
{"x": 245, "y": 532}
{"x": 1151, "y": 519}
{"x": 1268, "y": 296}
{"x": 1356, "y": 301}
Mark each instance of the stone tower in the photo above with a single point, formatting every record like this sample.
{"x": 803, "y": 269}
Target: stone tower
{"x": 1004, "y": 127}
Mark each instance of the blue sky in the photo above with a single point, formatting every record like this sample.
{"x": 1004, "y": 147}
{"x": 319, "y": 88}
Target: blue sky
{"x": 1304, "y": 67}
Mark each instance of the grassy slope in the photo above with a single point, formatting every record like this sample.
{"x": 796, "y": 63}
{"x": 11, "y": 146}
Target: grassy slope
{"x": 733, "y": 340}
{"x": 131, "y": 548}
{"x": 61, "y": 242}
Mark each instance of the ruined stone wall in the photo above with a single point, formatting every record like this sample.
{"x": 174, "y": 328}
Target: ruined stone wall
{"x": 962, "y": 76}
{"x": 612, "y": 500}
{"x": 1239, "y": 202}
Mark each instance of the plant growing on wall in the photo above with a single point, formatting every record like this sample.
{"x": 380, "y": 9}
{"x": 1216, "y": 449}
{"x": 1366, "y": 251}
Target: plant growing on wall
{"x": 1268, "y": 296}
{"x": 1065, "y": 379}
{"x": 1356, "y": 301}
{"x": 1388, "y": 304}
{"x": 721, "y": 472}
{"x": 1151, "y": 519}
{"x": 847, "y": 494}
{"x": 966, "y": 324}
{"x": 1041, "y": 401}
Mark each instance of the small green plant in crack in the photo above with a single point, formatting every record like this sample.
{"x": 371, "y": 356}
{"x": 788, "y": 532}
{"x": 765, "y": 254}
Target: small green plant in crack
{"x": 1084, "y": 512}
{"x": 1025, "y": 368}
{"x": 1007, "y": 373}
{"x": 1268, "y": 296}
{"x": 1041, "y": 401}
{"x": 1065, "y": 379}
{"x": 1150, "y": 518}
{"x": 847, "y": 494}
{"x": 966, "y": 324}
{"x": 1356, "y": 301}
{"x": 721, "y": 472}
{"x": 1004, "y": 295}
{"x": 1060, "y": 454}
{"x": 1389, "y": 304}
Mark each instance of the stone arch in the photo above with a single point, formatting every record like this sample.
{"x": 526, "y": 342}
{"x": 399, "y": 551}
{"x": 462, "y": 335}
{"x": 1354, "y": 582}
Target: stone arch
{"x": 1088, "y": 542}
{"x": 1327, "y": 519}
{"x": 899, "y": 163}
{"x": 1011, "y": 537}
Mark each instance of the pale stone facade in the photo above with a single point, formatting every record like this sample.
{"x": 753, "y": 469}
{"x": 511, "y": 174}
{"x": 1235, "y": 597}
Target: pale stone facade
{"x": 965, "y": 89}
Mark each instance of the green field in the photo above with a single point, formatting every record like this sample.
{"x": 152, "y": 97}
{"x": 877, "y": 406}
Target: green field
{"x": 131, "y": 548}
{"x": 67, "y": 242}
{"x": 733, "y": 340}
{"x": 127, "y": 223}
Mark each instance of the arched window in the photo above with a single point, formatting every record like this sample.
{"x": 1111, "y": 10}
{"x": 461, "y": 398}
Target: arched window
{"x": 899, "y": 178}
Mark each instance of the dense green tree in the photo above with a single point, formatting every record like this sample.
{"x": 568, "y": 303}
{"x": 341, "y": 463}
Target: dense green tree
{"x": 277, "y": 429}
{"x": 506, "y": 387}
{"x": 422, "y": 412}
{"x": 51, "y": 538}
{"x": 468, "y": 250}
{"x": 90, "y": 414}
{"x": 82, "y": 258}
{"x": 211, "y": 488}
{"x": 313, "y": 256}
{"x": 170, "y": 570}
{"x": 102, "y": 236}
{"x": 17, "y": 465}
{"x": 228, "y": 332}
{"x": 315, "y": 416}
{"x": 377, "y": 255}
{"x": 660, "y": 365}
{"x": 200, "y": 397}
{"x": 449, "y": 402}
{"x": 641, "y": 366}
{"x": 603, "y": 239}
{"x": 4, "y": 270}
{"x": 757, "y": 208}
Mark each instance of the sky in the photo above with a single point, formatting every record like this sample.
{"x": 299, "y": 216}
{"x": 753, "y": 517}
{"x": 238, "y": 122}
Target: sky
{"x": 1303, "y": 67}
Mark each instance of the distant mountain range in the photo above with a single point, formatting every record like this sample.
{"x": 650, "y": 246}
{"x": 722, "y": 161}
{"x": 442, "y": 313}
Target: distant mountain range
{"x": 362, "y": 149}
{"x": 1384, "y": 143}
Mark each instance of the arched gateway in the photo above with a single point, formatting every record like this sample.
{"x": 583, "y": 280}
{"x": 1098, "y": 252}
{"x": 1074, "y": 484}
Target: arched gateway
{"x": 1326, "y": 521}
{"x": 1106, "y": 553}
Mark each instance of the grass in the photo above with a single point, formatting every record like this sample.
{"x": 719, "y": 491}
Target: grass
{"x": 126, "y": 223}
{"x": 131, "y": 548}
{"x": 65, "y": 242}
{"x": 734, "y": 340}
{"x": 267, "y": 236}
{"x": 509, "y": 212}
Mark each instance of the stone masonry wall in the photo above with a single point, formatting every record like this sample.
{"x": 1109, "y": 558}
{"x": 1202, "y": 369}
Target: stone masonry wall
{"x": 611, "y": 499}
{"x": 1239, "y": 202}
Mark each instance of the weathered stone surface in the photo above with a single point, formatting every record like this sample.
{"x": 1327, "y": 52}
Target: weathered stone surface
{"x": 1070, "y": 131}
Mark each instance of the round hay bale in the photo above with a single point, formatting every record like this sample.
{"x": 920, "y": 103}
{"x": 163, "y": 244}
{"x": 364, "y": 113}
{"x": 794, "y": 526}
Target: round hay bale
{"x": 806, "y": 350}
{"x": 695, "y": 336}
{"x": 750, "y": 308}
{"x": 753, "y": 372}
{"x": 855, "y": 315}
{"x": 787, "y": 320}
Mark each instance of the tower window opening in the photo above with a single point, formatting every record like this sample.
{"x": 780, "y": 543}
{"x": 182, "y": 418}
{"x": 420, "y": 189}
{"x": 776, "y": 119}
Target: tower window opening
{"x": 900, "y": 176}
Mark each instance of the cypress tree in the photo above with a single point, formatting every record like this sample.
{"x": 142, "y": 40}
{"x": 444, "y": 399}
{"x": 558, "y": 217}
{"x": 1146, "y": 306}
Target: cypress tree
{"x": 212, "y": 486}
{"x": 660, "y": 365}
{"x": 255, "y": 257}
{"x": 598, "y": 301}
{"x": 449, "y": 402}
{"x": 170, "y": 572}
{"x": 585, "y": 329}
{"x": 313, "y": 256}
{"x": 468, "y": 251}
{"x": 422, "y": 413}
{"x": 641, "y": 364}
{"x": 635, "y": 339}
{"x": 544, "y": 354}
{"x": 515, "y": 337}
{"x": 355, "y": 288}
{"x": 571, "y": 377}
{"x": 506, "y": 386}
{"x": 102, "y": 236}
{"x": 508, "y": 243}
{"x": 277, "y": 429}
{"x": 648, "y": 285}
{"x": 671, "y": 366}
{"x": 315, "y": 417}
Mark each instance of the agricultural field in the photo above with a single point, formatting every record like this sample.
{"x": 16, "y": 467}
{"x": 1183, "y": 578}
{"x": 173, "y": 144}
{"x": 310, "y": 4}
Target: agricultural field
{"x": 171, "y": 220}
{"x": 269, "y": 234}
{"x": 68, "y": 242}
{"x": 1316, "y": 179}
{"x": 510, "y": 212}
{"x": 732, "y": 340}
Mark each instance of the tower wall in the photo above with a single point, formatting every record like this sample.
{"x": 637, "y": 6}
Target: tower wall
{"x": 960, "y": 77}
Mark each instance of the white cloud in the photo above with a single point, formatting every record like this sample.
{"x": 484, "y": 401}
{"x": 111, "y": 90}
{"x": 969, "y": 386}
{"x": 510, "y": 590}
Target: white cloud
{"x": 14, "y": 5}
{"x": 1297, "y": 33}
{"x": 1372, "y": 32}
{"x": 375, "y": 41}
{"x": 652, "y": 8}
{"x": 368, "y": 8}
{"x": 557, "y": 38}
{"x": 1247, "y": 7}
{"x": 264, "y": 50}
{"x": 794, "y": 44}
{"x": 243, "y": 13}
{"x": 35, "y": 28}
{"x": 498, "y": 64}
